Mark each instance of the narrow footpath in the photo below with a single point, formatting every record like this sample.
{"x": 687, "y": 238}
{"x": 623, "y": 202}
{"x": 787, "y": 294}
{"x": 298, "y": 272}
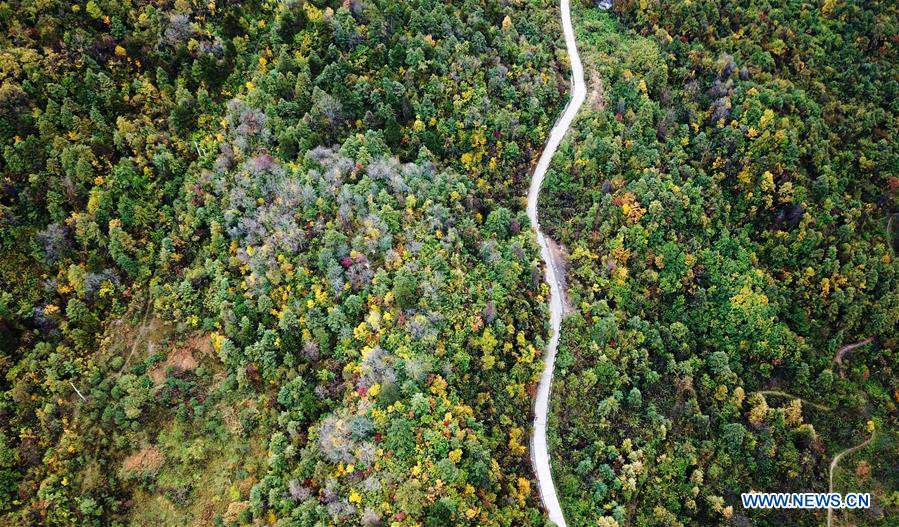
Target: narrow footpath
{"x": 836, "y": 461}
{"x": 539, "y": 450}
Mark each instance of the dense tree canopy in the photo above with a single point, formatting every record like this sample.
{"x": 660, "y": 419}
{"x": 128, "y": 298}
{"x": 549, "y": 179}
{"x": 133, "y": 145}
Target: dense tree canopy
{"x": 726, "y": 202}
{"x": 267, "y": 261}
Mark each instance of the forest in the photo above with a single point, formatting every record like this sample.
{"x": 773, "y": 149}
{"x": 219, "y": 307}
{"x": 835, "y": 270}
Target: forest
{"x": 727, "y": 199}
{"x": 267, "y": 262}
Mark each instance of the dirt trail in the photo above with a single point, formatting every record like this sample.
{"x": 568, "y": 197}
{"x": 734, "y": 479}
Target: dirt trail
{"x": 838, "y": 358}
{"x": 836, "y": 461}
{"x": 779, "y": 393}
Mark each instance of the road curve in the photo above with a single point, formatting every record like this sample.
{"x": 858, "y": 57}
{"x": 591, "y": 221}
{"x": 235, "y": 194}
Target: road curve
{"x": 539, "y": 450}
{"x": 836, "y": 461}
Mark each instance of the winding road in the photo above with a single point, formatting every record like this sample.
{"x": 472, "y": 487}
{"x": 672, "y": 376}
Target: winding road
{"x": 539, "y": 450}
{"x": 836, "y": 461}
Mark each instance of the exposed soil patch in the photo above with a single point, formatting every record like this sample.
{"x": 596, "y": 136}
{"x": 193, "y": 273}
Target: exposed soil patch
{"x": 596, "y": 97}
{"x": 147, "y": 459}
{"x": 559, "y": 255}
{"x": 234, "y": 510}
{"x": 183, "y": 358}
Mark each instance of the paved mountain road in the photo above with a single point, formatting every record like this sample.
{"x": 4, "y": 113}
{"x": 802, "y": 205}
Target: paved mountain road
{"x": 539, "y": 450}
